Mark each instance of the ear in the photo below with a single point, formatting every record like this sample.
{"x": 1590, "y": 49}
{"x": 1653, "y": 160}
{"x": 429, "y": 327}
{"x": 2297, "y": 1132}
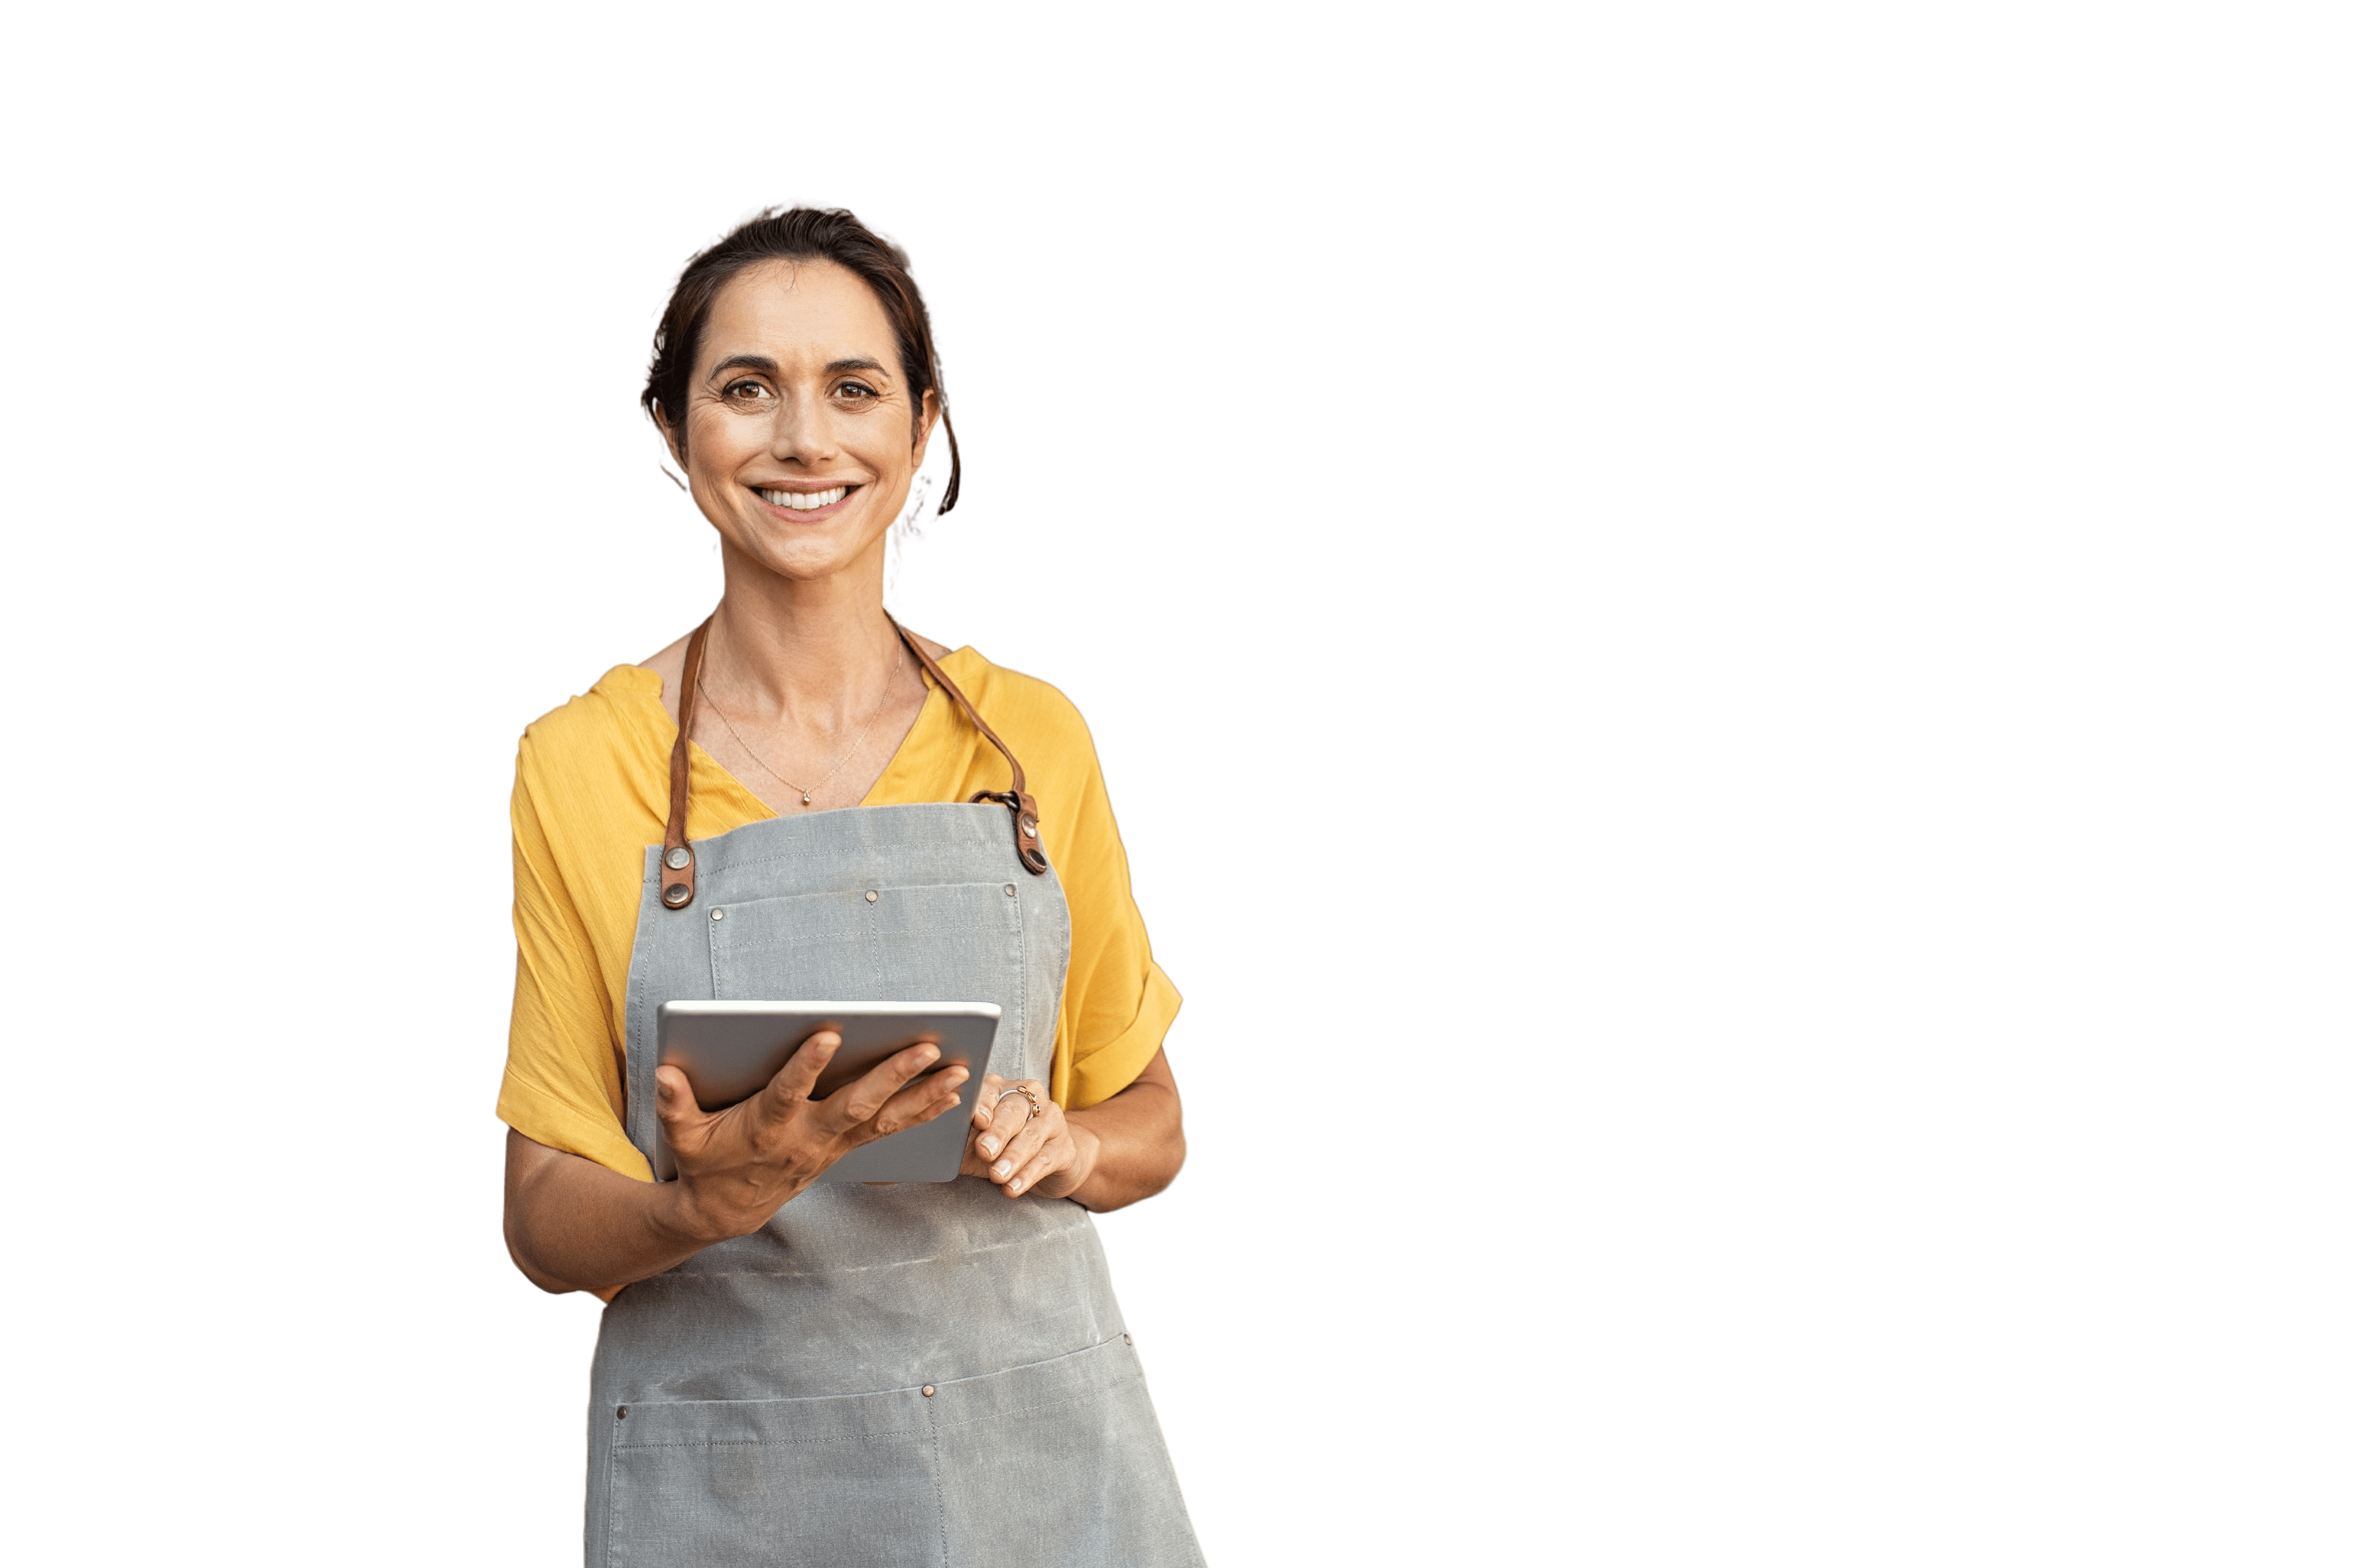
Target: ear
{"x": 674, "y": 439}
{"x": 924, "y": 426}
{"x": 669, "y": 460}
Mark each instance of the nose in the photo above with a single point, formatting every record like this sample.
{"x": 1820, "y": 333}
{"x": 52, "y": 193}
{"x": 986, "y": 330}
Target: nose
{"x": 801, "y": 429}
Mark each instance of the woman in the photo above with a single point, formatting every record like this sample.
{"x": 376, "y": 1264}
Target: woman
{"x": 835, "y": 1373}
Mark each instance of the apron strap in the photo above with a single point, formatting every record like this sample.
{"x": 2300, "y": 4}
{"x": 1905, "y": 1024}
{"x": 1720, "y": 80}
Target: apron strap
{"x": 678, "y": 854}
{"x": 1016, "y": 800}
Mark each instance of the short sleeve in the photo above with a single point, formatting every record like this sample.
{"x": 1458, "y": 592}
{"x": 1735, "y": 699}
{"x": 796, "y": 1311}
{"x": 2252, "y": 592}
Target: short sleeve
{"x": 1117, "y": 1004}
{"x": 563, "y": 1082}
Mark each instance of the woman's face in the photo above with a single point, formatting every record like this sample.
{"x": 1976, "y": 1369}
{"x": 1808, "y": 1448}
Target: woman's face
{"x": 800, "y": 439}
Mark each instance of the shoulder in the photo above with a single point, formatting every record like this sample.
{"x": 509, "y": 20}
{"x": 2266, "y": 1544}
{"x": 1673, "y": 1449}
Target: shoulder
{"x": 610, "y": 722}
{"x": 1023, "y": 708}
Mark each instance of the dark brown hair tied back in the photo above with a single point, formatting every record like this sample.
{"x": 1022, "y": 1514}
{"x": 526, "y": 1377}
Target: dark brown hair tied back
{"x": 797, "y": 234}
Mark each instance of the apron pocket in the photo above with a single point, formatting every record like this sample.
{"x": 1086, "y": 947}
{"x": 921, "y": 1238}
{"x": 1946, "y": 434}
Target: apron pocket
{"x": 842, "y": 1480}
{"x": 952, "y": 942}
{"x": 1060, "y": 1465}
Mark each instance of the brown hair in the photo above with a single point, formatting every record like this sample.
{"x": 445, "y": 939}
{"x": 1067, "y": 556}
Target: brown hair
{"x": 797, "y": 234}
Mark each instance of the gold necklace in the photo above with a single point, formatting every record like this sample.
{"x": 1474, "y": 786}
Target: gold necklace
{"x": 761, "y": 762}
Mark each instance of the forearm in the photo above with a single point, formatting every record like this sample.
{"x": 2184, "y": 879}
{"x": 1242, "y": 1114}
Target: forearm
{"x": 1139, "y": 1137}
{"x": 571, "y": 1225}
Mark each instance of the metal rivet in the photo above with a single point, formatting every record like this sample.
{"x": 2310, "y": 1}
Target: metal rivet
{"x": 1127, "y": 1339}
{"x": 871, "y": 895}
{"x": 622, "y": 1413}
{"x": 1008, "y": 890}
{"x": 929, "y": 1391}
{"x": 1029, "y": 826}
{"x": 719, "y": 914}
{"x": 676, "y": 894}
{"x": 677, "y": 859}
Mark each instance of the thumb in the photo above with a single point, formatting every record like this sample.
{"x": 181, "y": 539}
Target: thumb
{"x": 674, "y": 1105}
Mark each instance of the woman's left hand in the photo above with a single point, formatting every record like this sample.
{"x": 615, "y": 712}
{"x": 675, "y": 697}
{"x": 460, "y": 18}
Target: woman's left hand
{"x": 1041, "y": 1152}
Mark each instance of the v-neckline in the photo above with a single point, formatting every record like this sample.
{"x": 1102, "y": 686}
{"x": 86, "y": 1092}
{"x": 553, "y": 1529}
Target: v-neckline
{"x": 935, "y": 699}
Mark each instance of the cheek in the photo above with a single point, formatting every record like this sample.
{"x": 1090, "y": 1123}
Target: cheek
{"x": 717, "y": 441}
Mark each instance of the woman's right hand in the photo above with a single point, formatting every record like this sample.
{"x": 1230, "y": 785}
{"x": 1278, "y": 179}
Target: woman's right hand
{"x": 737, "y": 1167}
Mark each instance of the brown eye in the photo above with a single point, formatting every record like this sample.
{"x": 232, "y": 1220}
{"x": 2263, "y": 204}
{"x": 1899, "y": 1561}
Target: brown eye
{"x": 745, "y": 389}
{"x": 856, "y": 388}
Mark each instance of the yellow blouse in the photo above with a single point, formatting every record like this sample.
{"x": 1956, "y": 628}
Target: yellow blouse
{"x": 591, "y": 791}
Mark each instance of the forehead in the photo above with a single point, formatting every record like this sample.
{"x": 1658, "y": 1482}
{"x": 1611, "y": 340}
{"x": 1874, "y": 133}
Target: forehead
{"x": 797, "y": 313}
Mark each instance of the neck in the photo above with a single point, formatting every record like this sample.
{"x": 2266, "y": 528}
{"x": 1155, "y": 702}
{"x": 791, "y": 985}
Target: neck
{"x": 820, "y": 649}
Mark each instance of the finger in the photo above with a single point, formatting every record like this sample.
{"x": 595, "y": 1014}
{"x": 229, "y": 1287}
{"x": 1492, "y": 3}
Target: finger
{"x": 984, "y": 1108}
{"x": 1021, "y": 1151}
{"x": 859, "y": 1102}
{"x": 797, "y": 1080}
{"x": 1007, "y": 1127}
{"x": 923, "y": 1100}
{"x": 1048, "y": 1160}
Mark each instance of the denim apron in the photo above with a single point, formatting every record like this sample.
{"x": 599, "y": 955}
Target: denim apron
{"x": 927, "y": 1373}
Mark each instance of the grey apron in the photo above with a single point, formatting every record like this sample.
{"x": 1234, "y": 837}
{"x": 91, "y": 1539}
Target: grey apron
{"x": 917, "y": 1375}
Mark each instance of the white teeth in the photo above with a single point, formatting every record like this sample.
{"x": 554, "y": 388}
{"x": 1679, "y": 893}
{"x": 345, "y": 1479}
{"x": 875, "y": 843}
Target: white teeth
{"x": 795, "y": 500}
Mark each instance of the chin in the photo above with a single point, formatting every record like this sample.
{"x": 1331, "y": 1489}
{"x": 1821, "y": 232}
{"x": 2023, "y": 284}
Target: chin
{"x": 803, "y": 560}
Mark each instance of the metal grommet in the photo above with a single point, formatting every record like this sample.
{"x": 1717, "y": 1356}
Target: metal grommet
{"x": 677, "y": 859}
{"x": 1127, "y": 1339}
{"x": 719, "y": 914}
{"x": 871, "y": 895}
{"x": 622, "y": 1413}
{"x": 929, "y": 1391}
{"x": 1008, "y": 890}
{"x": 1029, "y": 826}
{"x": 676, "y": 895}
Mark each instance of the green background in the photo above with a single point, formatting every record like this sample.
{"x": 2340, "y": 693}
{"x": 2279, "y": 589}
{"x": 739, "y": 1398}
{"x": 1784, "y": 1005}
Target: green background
{"x": 1716, "y": 632}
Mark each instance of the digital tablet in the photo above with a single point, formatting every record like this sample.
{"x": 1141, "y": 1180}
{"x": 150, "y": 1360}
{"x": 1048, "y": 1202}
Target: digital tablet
{"x": 729, "y": 1051}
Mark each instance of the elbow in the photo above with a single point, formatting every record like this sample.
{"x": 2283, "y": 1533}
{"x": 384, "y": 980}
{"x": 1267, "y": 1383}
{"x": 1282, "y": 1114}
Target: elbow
{"x": 524, "y": 1267}
{"x": 1165, "y": 1177}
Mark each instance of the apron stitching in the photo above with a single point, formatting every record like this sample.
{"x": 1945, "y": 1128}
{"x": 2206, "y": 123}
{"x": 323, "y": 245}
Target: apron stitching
{"x": 612, "y": 1503}
{"x": 939, "y": 1493}
{"x": 772, "y": 1442}
{"x": 1021, "y": 947}
{"x": 711, "y": 945}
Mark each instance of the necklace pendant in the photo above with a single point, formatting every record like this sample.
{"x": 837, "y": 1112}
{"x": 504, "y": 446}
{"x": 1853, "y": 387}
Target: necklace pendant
{"x": 804, "y": 799}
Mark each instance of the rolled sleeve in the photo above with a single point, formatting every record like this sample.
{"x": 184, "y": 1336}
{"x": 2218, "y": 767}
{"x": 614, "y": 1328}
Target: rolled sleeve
{"x": 1101, "y": 1068}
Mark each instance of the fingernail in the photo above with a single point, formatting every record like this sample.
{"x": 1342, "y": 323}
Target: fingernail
{"x": 1004, "y": 1167}
{"x": 1012, "y": 1186}
{"x": 988, "y": 1145}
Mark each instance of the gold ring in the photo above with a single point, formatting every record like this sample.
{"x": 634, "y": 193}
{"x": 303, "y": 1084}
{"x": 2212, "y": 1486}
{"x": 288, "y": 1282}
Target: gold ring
{"x": 1036, "y": 1110}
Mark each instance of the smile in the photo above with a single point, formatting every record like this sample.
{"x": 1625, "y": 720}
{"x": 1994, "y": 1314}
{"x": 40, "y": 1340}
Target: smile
{"x": 805, "y": 500}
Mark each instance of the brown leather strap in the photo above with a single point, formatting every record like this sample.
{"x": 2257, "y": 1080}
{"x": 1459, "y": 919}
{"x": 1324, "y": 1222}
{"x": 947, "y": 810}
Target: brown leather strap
{"x": 678, "y": 854}
{"x": 1026, "y": 841}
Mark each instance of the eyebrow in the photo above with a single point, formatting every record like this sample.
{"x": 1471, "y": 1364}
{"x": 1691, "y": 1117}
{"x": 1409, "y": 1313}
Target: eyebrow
{"x": 763, "y": 362}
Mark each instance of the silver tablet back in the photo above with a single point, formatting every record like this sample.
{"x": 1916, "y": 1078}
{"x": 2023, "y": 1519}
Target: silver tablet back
{"x": 729, "y": 1051}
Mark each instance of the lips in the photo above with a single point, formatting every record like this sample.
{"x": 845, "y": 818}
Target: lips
{"x": 808, "y": 505}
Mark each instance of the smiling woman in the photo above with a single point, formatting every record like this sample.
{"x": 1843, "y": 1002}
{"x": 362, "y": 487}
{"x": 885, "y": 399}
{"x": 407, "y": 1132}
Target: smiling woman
{"x": 790, "y": 1370}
